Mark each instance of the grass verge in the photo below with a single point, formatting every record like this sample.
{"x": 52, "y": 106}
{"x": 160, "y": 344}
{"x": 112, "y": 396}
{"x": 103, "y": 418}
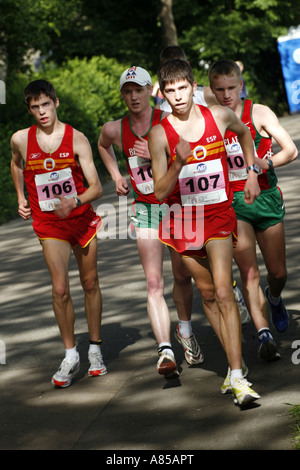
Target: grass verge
{"x": 295, "y": 413}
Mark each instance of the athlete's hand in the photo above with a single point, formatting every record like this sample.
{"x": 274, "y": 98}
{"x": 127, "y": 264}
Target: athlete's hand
{"x": 122, "y": 188}
{"x": 141, "y": 148}
{"x": 65, "y": 207}
{"x": 183, "y": 151}
{"x": 24, "y": 210}
{"x": 251, "y": 188}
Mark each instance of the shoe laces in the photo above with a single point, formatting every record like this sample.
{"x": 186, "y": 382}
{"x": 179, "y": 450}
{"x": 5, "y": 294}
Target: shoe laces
{"x": 193, "y": 345}
{"x": 96, "y": 359}
{"x": 241, "y": 383}
{"x": 67, "y": 366}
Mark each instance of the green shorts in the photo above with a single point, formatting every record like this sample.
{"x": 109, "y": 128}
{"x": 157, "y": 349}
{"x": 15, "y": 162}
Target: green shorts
{"x": 267, "y": 210}
{"x": 145, "y": 215}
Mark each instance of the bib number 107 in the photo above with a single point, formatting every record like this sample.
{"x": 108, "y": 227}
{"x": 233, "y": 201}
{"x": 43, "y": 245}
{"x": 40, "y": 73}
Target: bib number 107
{"x": 203, "y": 183}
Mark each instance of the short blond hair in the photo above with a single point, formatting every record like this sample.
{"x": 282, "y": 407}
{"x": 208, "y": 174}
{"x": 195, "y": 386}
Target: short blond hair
{"x": 224, "y": 67}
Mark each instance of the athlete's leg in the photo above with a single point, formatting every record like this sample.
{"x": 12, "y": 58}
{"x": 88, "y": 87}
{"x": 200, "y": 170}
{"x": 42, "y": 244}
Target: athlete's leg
{"x": 151, "y": 252}
{"x": 201, "y": 274}
{"x": 245, "y": 257}
{"x": 272, "y": 245}
{"x": 87, "y": 264}
{"x": 182, "y": 288}
{"x": 220, "y": 254}
{"x": 57, "y": 256}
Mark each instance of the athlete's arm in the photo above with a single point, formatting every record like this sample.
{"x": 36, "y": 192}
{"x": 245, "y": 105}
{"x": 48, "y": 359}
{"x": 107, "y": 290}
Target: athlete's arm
{"x": 226, "y": 117}
{"x": 141, "y": 148}
{"x": 18, "y": 141}
{"x": 164, "y": 179}
{"x": 111, "y": 135}
{"x": 209, "y": 96}
{"x": 267, "y": 124}
{"x": 83, "y": 151}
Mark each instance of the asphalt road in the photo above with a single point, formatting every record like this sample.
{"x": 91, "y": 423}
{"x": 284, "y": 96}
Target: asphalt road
{"x": 132, "y": 408}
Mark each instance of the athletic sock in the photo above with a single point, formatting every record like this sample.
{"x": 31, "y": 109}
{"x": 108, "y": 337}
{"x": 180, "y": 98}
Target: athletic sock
{"x": 185, "y": 328}
{"x": 265, "y": 329}
{"x": 273, "y": 300}
{"x": 165, "y": 346}
{"x": 95, "y": 346}
{"x": 234, "y": 374}
{"x": 71, "y": 353}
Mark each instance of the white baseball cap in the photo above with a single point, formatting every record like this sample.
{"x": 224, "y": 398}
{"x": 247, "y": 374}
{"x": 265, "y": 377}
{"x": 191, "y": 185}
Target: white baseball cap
{"x": 135, "y": 75}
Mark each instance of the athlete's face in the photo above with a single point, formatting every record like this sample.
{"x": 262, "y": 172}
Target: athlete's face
{"x": 179, "y": 95}
{"x": 136, "y": 97}
{"x": 43, "y": 109}
{"x": 226, "y": 89}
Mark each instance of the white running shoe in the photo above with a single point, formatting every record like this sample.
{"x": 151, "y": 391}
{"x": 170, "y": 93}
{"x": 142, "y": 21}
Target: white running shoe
{"x": 242, "y": 392}
{"x": 66, "y": 371}
{"x": 97, "y": 366}
{"x": 166, "y": 364}
{"x": 245, "y": 316}
{"x": 192, "y": 352}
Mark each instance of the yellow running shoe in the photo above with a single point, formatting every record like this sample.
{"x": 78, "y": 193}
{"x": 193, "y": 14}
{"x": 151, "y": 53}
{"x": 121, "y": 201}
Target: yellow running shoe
{"x": 226, "y": 386}
{"x": 242, "y": 392}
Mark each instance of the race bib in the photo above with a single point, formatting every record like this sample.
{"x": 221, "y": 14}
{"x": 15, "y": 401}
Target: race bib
{"x": 53, "y": 184}
{"x": 142, "y": 174}
{"x": 202, "y": 183}
{"x": 237, "y": 167}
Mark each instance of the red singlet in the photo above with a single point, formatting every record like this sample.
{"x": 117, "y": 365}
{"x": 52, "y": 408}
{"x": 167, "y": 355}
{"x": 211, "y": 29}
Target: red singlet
{"x": 200, "y": 204}
{"x": 139, "y": 169}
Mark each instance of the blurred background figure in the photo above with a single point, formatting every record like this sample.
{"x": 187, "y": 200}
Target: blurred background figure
{"x": 244, "y": 91}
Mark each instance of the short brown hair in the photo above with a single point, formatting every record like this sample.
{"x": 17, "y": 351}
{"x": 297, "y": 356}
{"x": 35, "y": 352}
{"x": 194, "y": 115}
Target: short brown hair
{"x": 172, "y": 52}
{"x": 224, "y": 67}
{"x": 36, "y": 88}
{"x": 172, "y": 71}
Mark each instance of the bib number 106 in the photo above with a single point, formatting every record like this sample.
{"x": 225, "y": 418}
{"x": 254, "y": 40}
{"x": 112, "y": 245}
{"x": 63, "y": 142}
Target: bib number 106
{"x": 57, "y": 189}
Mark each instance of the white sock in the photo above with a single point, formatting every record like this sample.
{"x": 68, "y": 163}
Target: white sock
{"x": 167, "y": 347}
{"x": 235, "y": 373}
{"x": 71, "y": 353}
{"x": 94, "y": 348}
{"x": 274, "y": 300}
{"x": 264, "y": 329}
{"x": 185, "y": 328}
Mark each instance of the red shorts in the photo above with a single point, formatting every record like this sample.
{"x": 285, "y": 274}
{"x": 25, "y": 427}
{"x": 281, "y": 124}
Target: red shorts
{"x": 189, "y": 235}
{"x": 79, "y": 230}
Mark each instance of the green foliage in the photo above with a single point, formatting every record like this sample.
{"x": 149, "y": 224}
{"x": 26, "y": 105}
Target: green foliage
{"x": 30, "y": 26}
{"x": 240, "y": 30}
{"x": 13, "y": 117}
{"x": 88, "y": 91}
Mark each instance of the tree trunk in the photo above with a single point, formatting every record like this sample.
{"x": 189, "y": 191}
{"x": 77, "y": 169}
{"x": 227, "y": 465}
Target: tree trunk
{"x": 167, "y": 22}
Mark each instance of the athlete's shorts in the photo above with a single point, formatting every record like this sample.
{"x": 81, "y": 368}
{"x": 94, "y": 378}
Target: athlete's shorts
{"x": 145, "y": 215}
{"x": 79, "y": 230}
{"x": 267, "y": 210}
{"x": 189, "y": 238}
